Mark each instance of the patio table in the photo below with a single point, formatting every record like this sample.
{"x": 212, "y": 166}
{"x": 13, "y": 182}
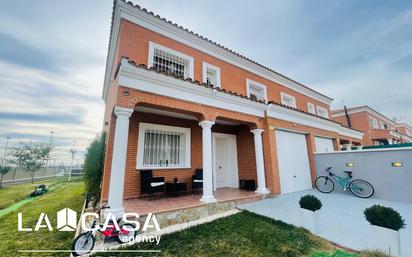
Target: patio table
{"x": 176, "y": 188}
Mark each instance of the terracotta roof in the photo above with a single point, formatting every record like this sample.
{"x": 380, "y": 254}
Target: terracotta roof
{"x": 208, "y": 40}
{"x": 198, "y": 83}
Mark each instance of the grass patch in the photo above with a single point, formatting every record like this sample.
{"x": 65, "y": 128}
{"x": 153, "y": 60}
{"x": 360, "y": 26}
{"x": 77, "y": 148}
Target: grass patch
{"x": 65, "y": 195}
{"x": 243, "y": 234}
{"x": 11, "y": 194}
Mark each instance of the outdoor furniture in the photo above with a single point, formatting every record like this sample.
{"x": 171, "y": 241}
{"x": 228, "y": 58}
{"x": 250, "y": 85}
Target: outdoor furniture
{"x": 176, "y": 188}
{"x": 197, "y": 180}
{"x": 247, "y": 184}
{"x": 151, "y": 185}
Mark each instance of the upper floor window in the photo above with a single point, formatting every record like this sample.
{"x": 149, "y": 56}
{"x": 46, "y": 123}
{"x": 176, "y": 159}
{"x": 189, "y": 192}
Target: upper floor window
{"x": 256, "y": 90}
{"x": 211, "y": 74}
{"x": 322, "y": 112}
{"x": 163, "y": 146}
{"x": 384, "y": 125}
{"x": 373, "y": 122}
{"x": 311, "y": 108}
{"x": 287, "y": 100}
{"x": 170, "y": 61}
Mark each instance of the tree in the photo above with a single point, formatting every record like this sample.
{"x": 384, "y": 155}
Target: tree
{"x": 31, "y": 157}
{"x": 3, "y": 171}
{"x": 93, "y": 168}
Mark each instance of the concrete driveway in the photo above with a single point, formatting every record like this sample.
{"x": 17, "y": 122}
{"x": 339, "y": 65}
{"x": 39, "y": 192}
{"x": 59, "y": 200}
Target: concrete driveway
{"x": 342, "y": 220}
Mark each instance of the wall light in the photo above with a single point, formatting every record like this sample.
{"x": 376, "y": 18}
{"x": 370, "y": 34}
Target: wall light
{"x": 397, "y": 164}
{"x": 350, "y": 164}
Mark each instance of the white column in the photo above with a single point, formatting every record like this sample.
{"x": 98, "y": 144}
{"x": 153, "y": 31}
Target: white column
{"x": 208, "y": 196}
{"x": 121, "y": 135}
{"x": 260, "y": 166}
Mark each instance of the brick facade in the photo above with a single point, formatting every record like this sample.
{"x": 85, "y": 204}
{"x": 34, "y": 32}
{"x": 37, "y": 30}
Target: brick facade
{"x": 360, "y": 120}
{"x": 133, "y": 42}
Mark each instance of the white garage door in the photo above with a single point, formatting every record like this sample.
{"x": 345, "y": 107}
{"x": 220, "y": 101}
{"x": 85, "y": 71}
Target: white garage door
{"x": 293, "y": 162}
{"x": 323, "y": 145}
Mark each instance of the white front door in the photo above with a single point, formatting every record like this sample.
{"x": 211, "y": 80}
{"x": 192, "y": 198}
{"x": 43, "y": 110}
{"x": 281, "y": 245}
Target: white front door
{"x": 225, "y": 161}
{"x": 323, "y": 145}
{"x": 293, "y": 162}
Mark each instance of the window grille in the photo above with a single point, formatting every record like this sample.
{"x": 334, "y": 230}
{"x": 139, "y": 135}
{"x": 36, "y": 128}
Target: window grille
{"x": 211, "y": 76}
{"x": 170, "y": 63}
{"x": 256, "y": 93}
{"x": 322, "y": 112}
{"x": 162, "y": 148}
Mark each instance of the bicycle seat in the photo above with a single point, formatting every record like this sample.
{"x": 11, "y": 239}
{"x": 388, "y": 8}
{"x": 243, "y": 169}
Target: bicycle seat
{"x": 348, "y": 172}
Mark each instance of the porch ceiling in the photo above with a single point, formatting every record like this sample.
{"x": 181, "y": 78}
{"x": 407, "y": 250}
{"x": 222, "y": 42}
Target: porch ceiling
{"x": 179, "y": 115}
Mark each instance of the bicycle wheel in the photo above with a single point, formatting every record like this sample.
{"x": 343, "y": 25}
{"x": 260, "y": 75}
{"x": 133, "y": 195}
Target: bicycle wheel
{"x": 324, "y": 184}
{"x": 361, "y": 188}
{"x": 83, "y": 244}
{"x": 127, "y": 233}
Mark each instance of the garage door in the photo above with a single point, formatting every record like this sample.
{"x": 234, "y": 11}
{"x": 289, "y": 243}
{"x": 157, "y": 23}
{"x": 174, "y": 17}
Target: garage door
{"x": 293, "y": 162}
{"x": 323, "y": 145}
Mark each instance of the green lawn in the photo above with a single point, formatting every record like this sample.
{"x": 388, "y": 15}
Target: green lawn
{"x": 243, "y": 234}
{"x": 11, "y": 194}
{"x": 65, "y": 195}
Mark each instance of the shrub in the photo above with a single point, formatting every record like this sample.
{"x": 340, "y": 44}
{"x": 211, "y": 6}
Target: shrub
{"x": 310, "y": 202}
{"x": 384, "y": 217}
{"x": 93, "y": 168}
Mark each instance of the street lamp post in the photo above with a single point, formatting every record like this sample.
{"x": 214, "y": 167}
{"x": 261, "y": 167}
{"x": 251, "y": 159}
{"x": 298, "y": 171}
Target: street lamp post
{"x": 5, "y": 151}
{"x": 73, "y": 152}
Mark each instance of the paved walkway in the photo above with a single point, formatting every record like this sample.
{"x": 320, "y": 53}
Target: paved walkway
{"x": 341, "y": 216}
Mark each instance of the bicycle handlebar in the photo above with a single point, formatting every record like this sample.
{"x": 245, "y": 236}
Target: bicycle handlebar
{"x": 329, "y": 168}
{"x": 104, "y": 206}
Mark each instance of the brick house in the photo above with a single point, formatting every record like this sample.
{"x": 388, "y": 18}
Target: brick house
{"x": 176, "y": 101}
{"x": 378, "y": 129}
{"x": 406, "y": 132}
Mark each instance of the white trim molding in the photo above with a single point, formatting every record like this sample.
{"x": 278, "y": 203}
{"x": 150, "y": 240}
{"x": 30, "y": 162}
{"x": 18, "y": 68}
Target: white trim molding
{"x": 206, "y": 65}
{"x": 125, "y": 11}
{"x": 152, "y": 45}
{"x": 252, "y": 83}
{"x": 311, "y": 108}
{"x": 286, "y": 97}
{"x": 160, "y": 84}
{"x": 320, "y": 109}
{"x": 140, "y": 145}
{"x": 278, "y": 112}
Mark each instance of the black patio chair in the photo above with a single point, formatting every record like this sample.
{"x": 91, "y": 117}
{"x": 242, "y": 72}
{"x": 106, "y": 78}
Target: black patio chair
{"x": 151, "y": 185}
{"x": 197, "y": 180}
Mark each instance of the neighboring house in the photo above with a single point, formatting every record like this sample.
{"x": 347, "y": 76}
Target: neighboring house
{"x": 176, "y": 101}
{"x": 378, "y": 129}
{"x": 406, "y": 132}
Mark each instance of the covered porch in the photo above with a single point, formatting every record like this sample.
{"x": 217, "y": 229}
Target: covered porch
{"x": 226, "y": 147}
{"x": 170, "y": 204}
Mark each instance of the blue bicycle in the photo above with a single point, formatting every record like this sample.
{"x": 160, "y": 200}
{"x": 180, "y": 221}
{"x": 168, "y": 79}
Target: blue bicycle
{"x": 358, "y": 187}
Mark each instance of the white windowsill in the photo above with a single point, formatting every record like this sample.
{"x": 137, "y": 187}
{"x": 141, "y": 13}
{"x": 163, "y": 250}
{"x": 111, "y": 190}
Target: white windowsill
{"x": 164, "y": 167}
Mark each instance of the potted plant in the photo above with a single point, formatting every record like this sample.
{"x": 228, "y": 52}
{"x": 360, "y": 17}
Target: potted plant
{"x": 309, "y": 206}
{"x": 385, "y": 224}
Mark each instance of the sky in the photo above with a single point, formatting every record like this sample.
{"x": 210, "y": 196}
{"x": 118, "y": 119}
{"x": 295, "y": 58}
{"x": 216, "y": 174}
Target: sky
{"x": 53, "y": 55}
